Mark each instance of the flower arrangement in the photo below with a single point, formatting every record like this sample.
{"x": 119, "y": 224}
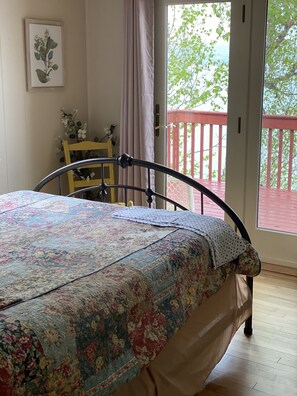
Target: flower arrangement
{"x": 109, "y": 134}
{"x": 74, "y": 129}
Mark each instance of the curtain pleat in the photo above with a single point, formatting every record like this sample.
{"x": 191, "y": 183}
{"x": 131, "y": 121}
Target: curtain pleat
{"x": 137, "y": 107}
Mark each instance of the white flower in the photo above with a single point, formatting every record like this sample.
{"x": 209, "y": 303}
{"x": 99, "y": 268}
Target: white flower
{"x": 82, "y": 134}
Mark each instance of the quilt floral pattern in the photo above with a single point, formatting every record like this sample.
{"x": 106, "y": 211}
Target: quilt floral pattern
{"x": 86, "y": 301}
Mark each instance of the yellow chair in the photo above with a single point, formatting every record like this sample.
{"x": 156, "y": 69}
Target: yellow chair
{"x": 88, "y": 149}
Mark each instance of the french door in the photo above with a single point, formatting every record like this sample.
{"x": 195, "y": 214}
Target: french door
{"x": 214, "y": 76}
{"x": 198, "y": 72}
{"x": 271, "y": 190}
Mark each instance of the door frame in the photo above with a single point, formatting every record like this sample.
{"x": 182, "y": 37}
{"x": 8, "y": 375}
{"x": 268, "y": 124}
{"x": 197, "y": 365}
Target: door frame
{"x": 275, "y": 247}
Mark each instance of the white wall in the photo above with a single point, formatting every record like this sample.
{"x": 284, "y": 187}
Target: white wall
{"x": 3, "y": 161}
{"x": 29, "y": 121}
{"x": 105, "y": 57}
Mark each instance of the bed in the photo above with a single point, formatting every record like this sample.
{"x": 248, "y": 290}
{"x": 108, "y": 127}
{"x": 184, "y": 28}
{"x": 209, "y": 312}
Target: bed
{"x": 100, "y": 299}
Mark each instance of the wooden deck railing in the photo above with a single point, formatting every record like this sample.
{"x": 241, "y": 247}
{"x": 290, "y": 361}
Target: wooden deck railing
{"x": 197, "y": 146}
{"x": 276, "y": 127}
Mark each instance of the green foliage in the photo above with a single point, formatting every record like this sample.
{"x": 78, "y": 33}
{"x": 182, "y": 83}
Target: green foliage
{"x": 280, "y": 87}
{"x": 197, "y": 75}
{"x": 280, "y": 90}
{"x": 41, "y": 76}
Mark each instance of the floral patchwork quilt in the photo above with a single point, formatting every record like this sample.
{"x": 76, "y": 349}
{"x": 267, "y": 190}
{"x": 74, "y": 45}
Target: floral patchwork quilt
{"x": 86, "y": 299}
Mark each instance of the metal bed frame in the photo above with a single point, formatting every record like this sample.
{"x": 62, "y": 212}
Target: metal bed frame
{"x": 126, "y": 161}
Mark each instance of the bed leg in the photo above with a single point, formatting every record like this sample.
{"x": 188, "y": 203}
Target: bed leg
{"x": 248, "y": 329}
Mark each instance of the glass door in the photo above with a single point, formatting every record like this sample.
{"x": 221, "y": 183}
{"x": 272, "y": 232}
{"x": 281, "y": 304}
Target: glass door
{"x": 211, "y": 61}
{"x": 199, "y": 64}
{"x": 278, "y": 166}
{"x": 272, "y": 217}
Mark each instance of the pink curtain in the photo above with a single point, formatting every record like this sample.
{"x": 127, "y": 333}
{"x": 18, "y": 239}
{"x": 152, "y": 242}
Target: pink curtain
{"x": 137, "y": 113}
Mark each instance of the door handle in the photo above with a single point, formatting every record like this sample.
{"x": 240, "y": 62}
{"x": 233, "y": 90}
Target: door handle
{"x": 157, "y": 120}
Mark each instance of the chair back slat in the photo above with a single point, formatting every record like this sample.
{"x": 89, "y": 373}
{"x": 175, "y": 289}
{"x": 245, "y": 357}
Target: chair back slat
{"x": 88, "y": 148}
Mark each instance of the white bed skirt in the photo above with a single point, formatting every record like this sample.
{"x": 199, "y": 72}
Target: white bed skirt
{"x": 184, "y": 364}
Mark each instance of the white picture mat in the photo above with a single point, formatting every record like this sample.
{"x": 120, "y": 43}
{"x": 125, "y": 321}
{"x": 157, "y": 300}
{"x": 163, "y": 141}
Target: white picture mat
{"x": 38, "y": 29}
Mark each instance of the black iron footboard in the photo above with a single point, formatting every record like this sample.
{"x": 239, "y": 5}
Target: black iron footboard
{"x": 125, "y": 161}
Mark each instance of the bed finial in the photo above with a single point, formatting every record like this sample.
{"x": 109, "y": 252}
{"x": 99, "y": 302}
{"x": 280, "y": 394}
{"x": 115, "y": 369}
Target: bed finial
{"x": 125, "y": 160}
{"x": 149, "y": 193}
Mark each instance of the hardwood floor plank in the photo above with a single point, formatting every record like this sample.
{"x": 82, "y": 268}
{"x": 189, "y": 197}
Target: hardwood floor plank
{"x": 256, "y": 354}
{"x": 266, "y": 362}
{"x": 278, "y": 387}
{"x": 264, "y": 316}
{"x": 267, "y": 370}
{"x": 274, "y": 342}
{"x": 219, "y": 386}
{"x": 289, "y": 360}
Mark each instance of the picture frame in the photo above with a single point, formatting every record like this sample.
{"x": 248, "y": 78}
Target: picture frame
{"x": 44, "y": 53}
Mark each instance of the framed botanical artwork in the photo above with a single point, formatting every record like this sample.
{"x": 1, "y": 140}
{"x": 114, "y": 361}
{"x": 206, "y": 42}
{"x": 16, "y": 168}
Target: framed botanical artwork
{"x": 44, "y": 53}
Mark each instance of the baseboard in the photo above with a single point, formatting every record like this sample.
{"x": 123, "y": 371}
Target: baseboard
{"x": 279, "y": 261}
{"x": 280, "y": 269}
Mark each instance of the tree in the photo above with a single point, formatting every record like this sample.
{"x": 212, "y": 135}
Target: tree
{"x": 280, "y": 89}
{"x": 198, "y": 74}
{"x": 280, "y": 84}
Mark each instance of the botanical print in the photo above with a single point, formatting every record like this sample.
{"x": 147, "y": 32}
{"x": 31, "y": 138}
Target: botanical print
{"x": 44, "y": 52}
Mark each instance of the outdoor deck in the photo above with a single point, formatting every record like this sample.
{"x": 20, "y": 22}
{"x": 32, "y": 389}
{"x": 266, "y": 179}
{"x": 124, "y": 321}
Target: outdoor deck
{"x": 277, "y": 208}
{"x": 197, "y": 146}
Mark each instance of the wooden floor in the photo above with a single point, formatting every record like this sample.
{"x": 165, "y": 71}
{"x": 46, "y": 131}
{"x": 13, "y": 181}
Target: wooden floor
{"x": 265, "y": 363}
